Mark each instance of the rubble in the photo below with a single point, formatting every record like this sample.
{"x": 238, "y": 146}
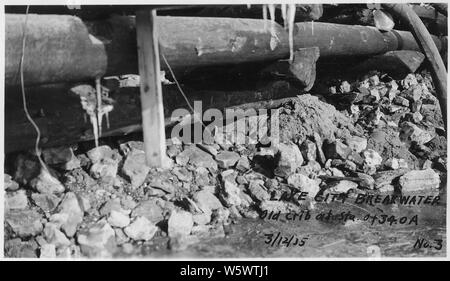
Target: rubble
{"x": 47, "y": 183}
{"x": 62, "y": 157}
{"x": 16, "y": 200}
{"x": 24, "y": 223}
{"x": 47, "y": 202}
{"x": 375, "y": 140}
{"x": 141, "y": 229}
{"x": 135, "y": 168}
{"x": 180, "y": 223}
{"x": 69, "y": 214}
{"x": 118, "y": 219}
{"x": 97, "y": 240}
{"x": 227, "y": 159}
{"x": 288, "y": 159}
{"x": 9, "y": 183}
{"x": 419, "y": 180}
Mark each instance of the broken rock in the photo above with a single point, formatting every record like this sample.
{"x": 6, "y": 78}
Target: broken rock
{"x": 288, "y": 159}
{"x": 24, "y": 223}
{"x": 150, "y": 209}
{"x": 411, "y": 133}
{"x": 16, "y": 200}
{"x": 54, "y": 236}
{"x": 227, "y": 159}
{"x": 141, "y": 229}
{"x": 62, "y": 157}
{"x": 47, "y": 202}
{"x": 419, "y": 180}
{"x": 336, "y": 150}
{"x": 207, "y": 201}
{"x": 9, "y": 183}
{"x": 47, "y": 183}
{"x": 118, "y": 219}
{"x": 98, "y": 240}
{"x": 356, "y": 143}
{"x": 257, "y": 190}
{"x": 343, "y": 186}
{"x": 308, "y": 149}
{"x": 304, "y": 184}
{"x": 71, "y": 214}
{"x": 135, "y": 168}
{"x": 180, "y": 223}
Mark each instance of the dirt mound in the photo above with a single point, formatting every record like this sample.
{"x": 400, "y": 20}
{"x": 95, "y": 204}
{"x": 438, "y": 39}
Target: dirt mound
{"x": 306, "y": 115}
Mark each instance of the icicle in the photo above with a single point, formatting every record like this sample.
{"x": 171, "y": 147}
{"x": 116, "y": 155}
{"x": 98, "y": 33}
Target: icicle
{"x": 93, "y": 119}
{"x": 283, "y": 15}
{"x": 274, "y": 38}
{"x": 98, "y": 88}
{"x": 264, "y": 7}
{"x": 291, "y": 19}
{"x": 249, "y": 6}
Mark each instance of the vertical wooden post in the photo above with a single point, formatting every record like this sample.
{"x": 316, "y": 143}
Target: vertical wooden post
{"x": 151, "y": 92}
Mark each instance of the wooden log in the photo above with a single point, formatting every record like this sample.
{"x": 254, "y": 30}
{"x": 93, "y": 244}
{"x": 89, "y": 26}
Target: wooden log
{"x": 353, "y": 40}
{"x": 54, "y": 54}
{"x": 431, "y": 51}
{"x": 62, "y": 120}
{"x": 397, "y": 64}
{"x": 65, "y": 49}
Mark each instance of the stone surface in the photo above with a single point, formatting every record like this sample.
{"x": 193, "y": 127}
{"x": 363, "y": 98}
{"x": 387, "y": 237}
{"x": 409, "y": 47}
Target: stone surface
{"x": 288, "y": 159}
{"x": 336, "y": 150}
{"x": 54, "y": 236}
{"x": 9, "y": 183}
{"x": 409, "y": 133}
{"x": 419, "y": 180}
{"x": 356, "y": 143}
{"x": 118, "y": 219}
{"x": 180, "y": 223}
{"x": 230, "y": 194}
{"x": 257, "y": 190}
{"x": 227, "y": 159}
{"x": 207, "y": 201}
{"x": 343, "y": 186}
{"x": 47, "y": 202}
{"x": 104, "y": 163}
{"x": 16, "y": 200}
{"x": 62, "y": 157}
{"x": 47, "y": 183}
{"x": 304, "y": 184}
{"x": 24, "y": 223}
{"x": 141, "y": 229}
{"x": 47, "y": 251}
{"x": 196, "y": 157}
{"x": 26, "y": 169}
{"x": 372, "y": 158}
{"x": 243, "y": 164}
{"x": 150, "y": 209}
{"x": 135, "y": 168}
{"x": 309, "y": 151}
{"x": 71, "y": 214}
{"x": 97, "y": 240}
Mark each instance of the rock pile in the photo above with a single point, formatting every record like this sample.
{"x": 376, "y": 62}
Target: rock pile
{"x": 106, "y": 202}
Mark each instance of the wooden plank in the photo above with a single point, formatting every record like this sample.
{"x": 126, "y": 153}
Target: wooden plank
{"x": 150, "y": 86}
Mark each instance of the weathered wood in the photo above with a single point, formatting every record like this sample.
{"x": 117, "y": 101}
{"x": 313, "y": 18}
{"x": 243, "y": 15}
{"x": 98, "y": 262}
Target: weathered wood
{"x": 64, "y": 49}
{"x": 430, "y": 50}
{"x": 150, "y": 87}
{"x": 62, "y": 120}
{"x": 397, "y": 64}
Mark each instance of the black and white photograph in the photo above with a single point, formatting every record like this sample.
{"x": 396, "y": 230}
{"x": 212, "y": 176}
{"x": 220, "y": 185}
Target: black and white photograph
{"x": 224, "y": 130}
